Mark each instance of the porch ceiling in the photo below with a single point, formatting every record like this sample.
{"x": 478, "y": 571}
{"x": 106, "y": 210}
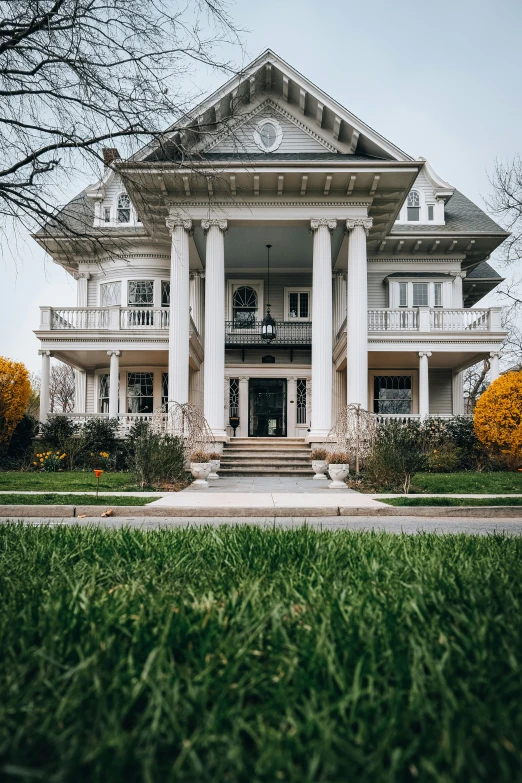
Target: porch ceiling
{"x": 245, "y": 246}
{"x": 94, "y": 360}
{"x": 397, "y": 360}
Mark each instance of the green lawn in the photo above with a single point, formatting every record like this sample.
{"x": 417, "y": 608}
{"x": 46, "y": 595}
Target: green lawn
{"x": 50, "y": 499}
{"x": 489, "y": 483}
{"x": 248, "y": 654}
{"x": 449, "y": 501}
{"x": 66, "y": 481}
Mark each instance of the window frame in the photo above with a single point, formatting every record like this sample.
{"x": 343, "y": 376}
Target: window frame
{"x": 394, "y": 287}
{"x": 140, "y": 280}
{"x": 297, "y": 290}
{"x": 257, "y": 285}
{"x": 117, "y": 213}
{"x": 110, "y": 282}
{"x": 414, "y": 373}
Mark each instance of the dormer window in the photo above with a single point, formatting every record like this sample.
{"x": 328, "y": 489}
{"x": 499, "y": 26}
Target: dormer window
{"x": 123, "y": 208}
{"x": 413, "y": 207}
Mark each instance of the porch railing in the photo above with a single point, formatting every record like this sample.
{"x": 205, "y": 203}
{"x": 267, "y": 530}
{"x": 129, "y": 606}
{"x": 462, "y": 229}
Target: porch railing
{"x": 288, "y": 333}
{"x": 125, "y": 420}
{"x": 107, "y": 318}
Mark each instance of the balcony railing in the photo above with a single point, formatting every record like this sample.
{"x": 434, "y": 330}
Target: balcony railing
{"x": 434, "y": 319}
{"x": 293, "y": 334}
{"x": 125, "y": 420}
{"x": 107, "y": 318}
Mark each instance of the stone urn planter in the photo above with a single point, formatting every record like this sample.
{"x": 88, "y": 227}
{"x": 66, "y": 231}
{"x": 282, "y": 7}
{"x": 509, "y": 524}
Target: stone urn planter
{"x": 338, "y": 469}
{"x": 200, "y": 467}
{"x": 215, "y": 465}
{"x": 319, "y": 464}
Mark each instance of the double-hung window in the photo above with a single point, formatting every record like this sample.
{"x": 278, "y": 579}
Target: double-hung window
{"x": 110, "y": 294}
{"x": 140, "y": 392}
{"x": 141, "y": 297}
{"x": 419, "y": 294}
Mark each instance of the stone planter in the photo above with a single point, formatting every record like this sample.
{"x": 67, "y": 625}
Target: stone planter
{"x": 215, "y": 465}
{"x": 338, "y": 474}
{"x": 319, "y": 467}
{"x": 200, "y": 472}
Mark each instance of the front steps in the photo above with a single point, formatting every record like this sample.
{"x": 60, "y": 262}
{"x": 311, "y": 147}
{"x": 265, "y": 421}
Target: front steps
{"x": 266, "y": 457}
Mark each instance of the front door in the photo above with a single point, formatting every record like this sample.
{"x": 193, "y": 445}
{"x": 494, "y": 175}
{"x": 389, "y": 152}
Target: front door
{"x": 267, "y": 408}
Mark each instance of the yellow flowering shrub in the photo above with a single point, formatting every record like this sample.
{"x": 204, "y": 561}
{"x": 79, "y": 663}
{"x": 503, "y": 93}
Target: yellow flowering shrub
{"x": 498, "y": 415}
{"x": 50, "y": 461}
{"x": 15, "y": 390}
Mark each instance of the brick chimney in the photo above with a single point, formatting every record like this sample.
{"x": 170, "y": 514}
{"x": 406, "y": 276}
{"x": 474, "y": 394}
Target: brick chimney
{"x": 110, "y": 154}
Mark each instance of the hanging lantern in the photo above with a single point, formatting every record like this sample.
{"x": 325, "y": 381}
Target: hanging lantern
{"x": 268, "y": 325}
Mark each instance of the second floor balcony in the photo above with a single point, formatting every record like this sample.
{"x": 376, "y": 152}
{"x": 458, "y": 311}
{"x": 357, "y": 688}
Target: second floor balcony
{"x": 297, "y": 334}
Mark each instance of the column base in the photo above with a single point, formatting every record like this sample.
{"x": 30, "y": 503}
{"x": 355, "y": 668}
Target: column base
{"x": 220, "y": 436}
{"x": 317, "y": 436}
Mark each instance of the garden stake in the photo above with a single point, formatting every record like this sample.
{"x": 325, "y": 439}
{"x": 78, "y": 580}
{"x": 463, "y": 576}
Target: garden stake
{"x": 97, "y": 473}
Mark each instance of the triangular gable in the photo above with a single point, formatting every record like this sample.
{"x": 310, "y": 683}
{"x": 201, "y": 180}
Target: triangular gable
{"x": 269, "y": 75}
{"x": 296, "y": 135}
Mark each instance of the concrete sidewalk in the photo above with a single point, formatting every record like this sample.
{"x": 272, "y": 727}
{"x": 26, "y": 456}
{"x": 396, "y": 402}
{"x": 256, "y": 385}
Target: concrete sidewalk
{"x": 297, "y": 496}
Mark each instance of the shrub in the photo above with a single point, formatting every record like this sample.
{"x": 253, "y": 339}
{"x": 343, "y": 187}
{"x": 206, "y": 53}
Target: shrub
{"x": 19, "y": 454}
{"x": 157, "y": 459}
{"x": 398, "y": 453}
{"x": 337, "y": 458}
{"x": 15, "y": 390}
{"x": 200, "y": 456}
{"x": 50, "y": 461}
{"x": 319, "y": 455}
{"x": 498, "y": 415}
{"x": 444, "y": 459}
{"x": 99, "y": 435}
{"x": 57, "y": 431}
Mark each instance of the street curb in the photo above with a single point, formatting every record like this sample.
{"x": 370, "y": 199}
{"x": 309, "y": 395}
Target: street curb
{"x": 473, "y": 512}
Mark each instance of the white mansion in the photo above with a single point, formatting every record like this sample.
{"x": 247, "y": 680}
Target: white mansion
{"x": 367, "y": 293}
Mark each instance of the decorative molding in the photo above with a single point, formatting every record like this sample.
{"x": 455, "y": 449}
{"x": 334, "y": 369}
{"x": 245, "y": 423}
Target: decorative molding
{"x": 173, "y": 222}
{"x": 365, "y": 223}
{"x": 279, "y": 134}
{"x": 217, "y": 222}
{"x": 81, "y": 275}
{"x": 245, "y": 118}
{"x": 249, "y": 204}
{"x": 424, "y": 353}
{"x": 330, "y": 223}
{"x": 115, "y": 353}
{"x": 45, "y": 353}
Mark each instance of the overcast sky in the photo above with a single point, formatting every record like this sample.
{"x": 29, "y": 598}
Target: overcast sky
{"x": 439, "y": 79}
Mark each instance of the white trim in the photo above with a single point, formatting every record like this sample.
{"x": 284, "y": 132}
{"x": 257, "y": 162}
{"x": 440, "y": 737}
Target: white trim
{"x": 257, "y": 285}
{"x": 414, "y": 374}
{"x": 297, "y": 290}
{"x": 394, "y": 292}
{"x": 279, "y": 134}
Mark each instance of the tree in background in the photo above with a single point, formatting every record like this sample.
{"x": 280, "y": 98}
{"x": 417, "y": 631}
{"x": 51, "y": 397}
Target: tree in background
{"x": 61, "y": 388}
{"x": 76, "y": 75}
{"x": 498, "y": 415}
{"x": 15, "y": 389}
{"x": 33, "y": 404}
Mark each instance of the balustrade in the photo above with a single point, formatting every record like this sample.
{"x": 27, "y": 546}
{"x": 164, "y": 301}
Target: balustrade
{"x": 289, "y": 333}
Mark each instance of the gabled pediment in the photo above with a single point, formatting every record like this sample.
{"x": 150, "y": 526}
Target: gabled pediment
{"x": 296, "y": 135}
{"x": 270, "y": 77}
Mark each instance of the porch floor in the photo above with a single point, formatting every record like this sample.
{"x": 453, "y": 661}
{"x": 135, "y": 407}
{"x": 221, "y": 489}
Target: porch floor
{"x": 266, "y": 492}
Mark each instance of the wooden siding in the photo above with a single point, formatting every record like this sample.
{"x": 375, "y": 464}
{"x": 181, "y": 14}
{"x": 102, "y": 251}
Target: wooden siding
{"x": 89, "y": 407}
{"x": 294, "y": 138}
{"x": 440, "y": 384}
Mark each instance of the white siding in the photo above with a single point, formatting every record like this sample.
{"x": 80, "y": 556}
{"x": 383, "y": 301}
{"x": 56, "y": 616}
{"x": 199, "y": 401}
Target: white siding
{"x": 295, "y": 139}
{"x": 90, "y": 407}
{"x": 278, "y": 283}
{"x": 377, "y": 289}
{"x": 440, "y": 384}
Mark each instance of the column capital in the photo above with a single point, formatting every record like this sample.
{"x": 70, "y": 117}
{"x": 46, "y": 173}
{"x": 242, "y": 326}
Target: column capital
{"x": 220, "y": 223}
{"x": 173, "y": 221}
{"x": 424, "y": 353}
{"x": 458, "y": 273}
{"x": 495, "y": 354}
{"x": 244, "y": 378}
{"x": 82, "y": 275}
{"x": 365, "y": 223}
{"x": 316, "y": 223}
{"x": 44, "y": 353}
{"x": 113, "y": 353}
{"x": 339, "y": 275}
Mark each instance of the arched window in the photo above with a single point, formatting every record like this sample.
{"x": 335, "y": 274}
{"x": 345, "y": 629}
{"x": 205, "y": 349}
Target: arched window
{"x": 244, "y": 307}
{"x": 123, "y": 208}
{"x": 414, "y": 206}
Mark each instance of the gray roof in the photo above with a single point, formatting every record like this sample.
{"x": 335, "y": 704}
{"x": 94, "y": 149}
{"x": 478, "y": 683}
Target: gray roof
{"x": 77, "y": 215}
{"x": 484, "y": 271}
{"x": 251, "y": 156}
{"x": 419, "y": 274}
{"x": 462, "y": 216}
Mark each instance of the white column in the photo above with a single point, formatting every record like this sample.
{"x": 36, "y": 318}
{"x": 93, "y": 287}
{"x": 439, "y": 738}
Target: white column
{"x": 457, "y": 392}
{"x": 44, "y": 385}
{"x": 80, "y": 391}
{"x": 424, "y": 384}
{"x": 458, "y": 299}
{"x": 321, "y": 421}
{"x": 114, "y": 383}
{"x": 179, "y": 324}
{"x": 196, "y": 300}
{"x": 291, "y": 406}
{"x": 82, "y": 279}
{"x": 243, "y": 407}
{"x": 339, "y": 301}
{"x": 494, "y": 368}
{"x": 214, "y": 367}
{"x": 357, "y": 313}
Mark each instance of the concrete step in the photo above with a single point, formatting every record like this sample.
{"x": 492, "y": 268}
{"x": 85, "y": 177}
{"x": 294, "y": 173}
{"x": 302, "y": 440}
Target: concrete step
{"x": 244, "y": 454}
{"x": 252, "y": 463}
{"x": 262, "y": 471}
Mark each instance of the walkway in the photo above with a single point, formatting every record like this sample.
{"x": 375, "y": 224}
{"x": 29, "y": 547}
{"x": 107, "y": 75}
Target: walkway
{"x": 265, "y": 493}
